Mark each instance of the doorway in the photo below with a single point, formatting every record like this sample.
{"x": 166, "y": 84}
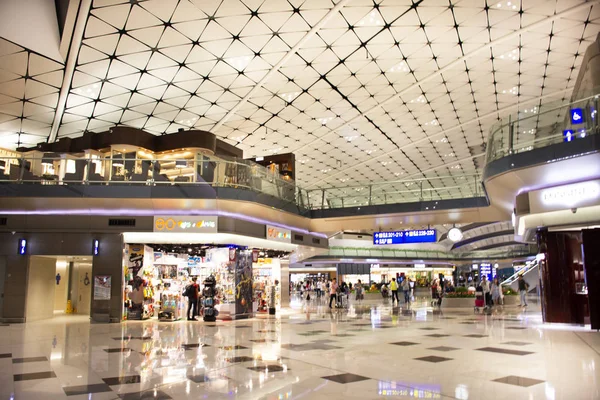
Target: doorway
{"x": 58, "y": 285}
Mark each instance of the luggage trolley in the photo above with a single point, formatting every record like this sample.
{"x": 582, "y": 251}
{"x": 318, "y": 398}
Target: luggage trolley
{"x": 341, "y": 300}
{"x": 479, "y": 299}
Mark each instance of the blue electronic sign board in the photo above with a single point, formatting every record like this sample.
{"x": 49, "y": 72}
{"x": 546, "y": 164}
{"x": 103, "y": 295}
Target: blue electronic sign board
{"x": 488, "y": 270}
{"x": 568, "y": 135}
{"x": 401, "y": 237}
{"x": 577, "y": 116}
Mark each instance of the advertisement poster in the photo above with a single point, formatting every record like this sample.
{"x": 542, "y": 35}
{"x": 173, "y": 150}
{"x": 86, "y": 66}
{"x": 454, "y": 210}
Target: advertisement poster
{"x": 102, "y": 284}
{"x": 243, "y": 282}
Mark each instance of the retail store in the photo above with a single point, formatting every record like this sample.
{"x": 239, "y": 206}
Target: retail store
{"x": 247, "y": 274}
{"x": 421, "y": 274}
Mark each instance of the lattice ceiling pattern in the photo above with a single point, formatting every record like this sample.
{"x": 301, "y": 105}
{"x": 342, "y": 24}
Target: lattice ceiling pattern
{"x": 370, "y": 91}
{"x": 29, "y": 86}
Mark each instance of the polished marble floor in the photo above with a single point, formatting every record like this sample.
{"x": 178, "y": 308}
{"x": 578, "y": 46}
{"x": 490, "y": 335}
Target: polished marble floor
{"x": 369, "y": 351}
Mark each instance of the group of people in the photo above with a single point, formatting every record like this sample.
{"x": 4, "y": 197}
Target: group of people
{"x": 406, "y": 289}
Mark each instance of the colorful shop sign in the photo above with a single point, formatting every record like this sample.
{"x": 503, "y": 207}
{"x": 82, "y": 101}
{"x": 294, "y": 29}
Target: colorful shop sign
{"x": 279, "y": 234}
{"x": 189, "y": 224}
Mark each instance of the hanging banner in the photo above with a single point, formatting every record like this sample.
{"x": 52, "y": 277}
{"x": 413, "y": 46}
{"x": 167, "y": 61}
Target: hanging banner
{"x": 254, "y": 256}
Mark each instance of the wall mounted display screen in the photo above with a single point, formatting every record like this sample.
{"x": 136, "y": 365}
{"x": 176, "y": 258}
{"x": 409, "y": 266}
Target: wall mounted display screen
{"x": 402, "y": 237}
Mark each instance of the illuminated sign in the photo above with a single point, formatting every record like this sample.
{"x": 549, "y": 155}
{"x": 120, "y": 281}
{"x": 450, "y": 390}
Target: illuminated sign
{"x": 279, "y": 234}
{"x": 571, "y": 195}
{"x": 96, "y": 247}
{"x": 577, "y": 116}
{"x": 568, "y": 135}
{"x": 22, "y": 246}
{"x": 487, "y": 270}
{"x": 419, "y": 266}
{"x": 401, "y": 237}
{"x": 185, "y": 224}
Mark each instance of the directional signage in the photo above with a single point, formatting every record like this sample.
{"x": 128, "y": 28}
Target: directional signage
{"x": 568, "y": 135}
{"x": 402, "y": 237}
{"x": 577, "y": 116}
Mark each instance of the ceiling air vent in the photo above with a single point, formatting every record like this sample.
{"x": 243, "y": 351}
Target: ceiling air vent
{"x": 316, "y": 241}
{"x": 3, "y": 221}
{"x": 299, "y": 238}
{"x": 121, "y": 222}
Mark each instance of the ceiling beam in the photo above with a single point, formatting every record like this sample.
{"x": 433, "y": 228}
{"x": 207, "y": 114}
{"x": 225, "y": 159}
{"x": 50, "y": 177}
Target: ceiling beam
{"x": 281, "y": 62}
{"x": 82, "y": 16}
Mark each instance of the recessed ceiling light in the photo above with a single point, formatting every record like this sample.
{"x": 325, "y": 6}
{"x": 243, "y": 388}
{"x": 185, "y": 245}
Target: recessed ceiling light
{"x": 513, "y": 55}
{"x": 325, "y": 120}
{"x": 239, "y": 63}
{"x": 371, "y": 19}
{"x": 401, "y": 67}
{"x": 289, "y": 97}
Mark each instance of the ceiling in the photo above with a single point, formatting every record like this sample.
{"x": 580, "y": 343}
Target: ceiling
{"x": 359, "y": 90}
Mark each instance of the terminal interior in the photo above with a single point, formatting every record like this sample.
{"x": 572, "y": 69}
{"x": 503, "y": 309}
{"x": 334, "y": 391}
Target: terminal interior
{"x": 265, "y": 199}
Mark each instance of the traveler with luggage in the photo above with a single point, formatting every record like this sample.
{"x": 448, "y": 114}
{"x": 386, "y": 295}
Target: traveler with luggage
{"x": 332, "y": 291}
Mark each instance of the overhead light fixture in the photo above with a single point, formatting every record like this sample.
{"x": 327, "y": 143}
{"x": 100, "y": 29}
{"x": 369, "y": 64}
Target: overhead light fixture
{"x": 455, "y": 234}
{"x": 180, "y": 164}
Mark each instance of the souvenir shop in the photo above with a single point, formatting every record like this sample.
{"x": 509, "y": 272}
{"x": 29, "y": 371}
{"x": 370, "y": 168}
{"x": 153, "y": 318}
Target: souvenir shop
{"x": 235, "y": 281}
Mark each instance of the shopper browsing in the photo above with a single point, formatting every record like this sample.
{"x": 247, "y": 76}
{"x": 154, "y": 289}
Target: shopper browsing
{"x": 191, "y": 292}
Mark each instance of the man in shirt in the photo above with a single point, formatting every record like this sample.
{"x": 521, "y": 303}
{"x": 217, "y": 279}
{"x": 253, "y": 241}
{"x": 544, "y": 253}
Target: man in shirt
{"x": 394, "y": 288}
{"x": 485, "y": 286}
{"x": 332, "y": 291}
{"x": 406, "y": 290}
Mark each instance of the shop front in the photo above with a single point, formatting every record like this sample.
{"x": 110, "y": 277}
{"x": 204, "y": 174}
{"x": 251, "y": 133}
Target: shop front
{"x": 238, "y": 275}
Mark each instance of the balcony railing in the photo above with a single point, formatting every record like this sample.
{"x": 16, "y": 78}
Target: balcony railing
{"x": 198, "y": 172}
{"x": 394, "y": 192}
{"x": 352, "y": 253}
{"x": 543, "y": 125}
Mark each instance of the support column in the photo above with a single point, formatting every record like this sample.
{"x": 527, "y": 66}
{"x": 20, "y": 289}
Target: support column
{"x": 109, "y": 262}
{"x": 591, "y": 265}
{"x": 284, "y": 284}
{"x": 563, "y": 255}
{"x": 15, "y": 288}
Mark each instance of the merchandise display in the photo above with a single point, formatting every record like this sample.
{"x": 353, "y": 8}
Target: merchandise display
{"x": 266, "y": 271}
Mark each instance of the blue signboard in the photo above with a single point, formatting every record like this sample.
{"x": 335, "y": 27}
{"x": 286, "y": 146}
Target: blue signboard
{"x": 568, "y": 135}
{"x": 401, "y": 237}
{"x": 577, "y": 116}
{"x": 487, "y": 270}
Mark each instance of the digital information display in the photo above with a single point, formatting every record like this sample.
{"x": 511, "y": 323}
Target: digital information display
{"x": 487, "y": 270}
{"x": 402, "y": 237}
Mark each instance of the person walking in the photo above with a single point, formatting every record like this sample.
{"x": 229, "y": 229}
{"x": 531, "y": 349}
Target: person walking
{"x": 332, "y": 291}
{"x": 523, "y": 287}
{"x": 318, "y": 288}
{"x": 359, "y": 291}
{"x": 496, "y": 292}
{"x": 192, "y": 294}
{"x": 406, "y": 290}
{"x": 394, "y": 288}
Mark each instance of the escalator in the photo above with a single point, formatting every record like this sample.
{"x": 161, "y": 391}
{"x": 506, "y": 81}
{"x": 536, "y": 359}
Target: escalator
{"x": 531, "y": 274}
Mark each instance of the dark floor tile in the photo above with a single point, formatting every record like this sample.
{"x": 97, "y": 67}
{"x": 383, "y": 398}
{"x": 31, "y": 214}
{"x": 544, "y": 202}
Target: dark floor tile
{"x": 443, "y": 348}
{"x": 345, "y": 378}
{"x": 323, "y": 341}
{"x": 505, "y": 351}
{"x": 194, "y": 346}
{"x": 147, "y": 395}
{"x": 433, "y": 359}
{"x": 475, "y": 335}
{"x": 404, "y": 343}
{"x": 7, "y": 355}
{"x": 468, "y": 323}
{"x": 383, "y": 327}
{"x": 239, "y": 359}
{"x": 516, "y": 328}
{"x": 437, "y": 335}
{"x": 29, "y": 359}
{"x": 236, "y": 347}
{"x": 429, "y": 329}
{"x": 447, "y": 317}
{"x": 518, "y": 381}
{"x": 118, "y": 350}
{"x": 122, "y": 380}
{"x": 309, "y": 334}
{"x": 35, "y": 375}
{"x": 266, "y": 331}
{"x": 198, "y": 378}
{"x": 262, "y": 340}
{"x": 267, "y": 368}
{"x": 87, "y": 389}
{"x": 342, "y": 335}
{"x": 517, "y": 343}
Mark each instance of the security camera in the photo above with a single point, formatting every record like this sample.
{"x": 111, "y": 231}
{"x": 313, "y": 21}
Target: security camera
{"x": 573, "y": 210}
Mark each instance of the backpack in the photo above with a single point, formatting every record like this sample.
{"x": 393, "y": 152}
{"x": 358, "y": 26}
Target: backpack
{"x": 189, "y": 290}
